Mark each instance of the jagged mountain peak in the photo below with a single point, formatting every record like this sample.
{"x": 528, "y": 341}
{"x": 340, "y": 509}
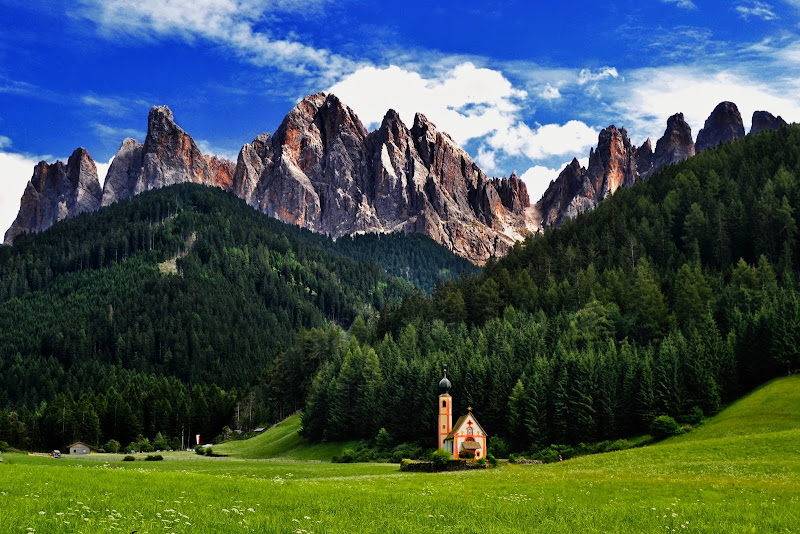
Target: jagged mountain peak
{"x": 723, "y": 125}
{"x": 168, "y": 156}
{"x": 160, "y": 114}
{"x": 676, "y": 144}
{"x": 55, "y": 192}
{"x": 764, "y": 120}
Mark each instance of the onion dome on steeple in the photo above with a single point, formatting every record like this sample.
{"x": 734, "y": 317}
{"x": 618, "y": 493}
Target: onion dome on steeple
{"x": 444, "y": 384}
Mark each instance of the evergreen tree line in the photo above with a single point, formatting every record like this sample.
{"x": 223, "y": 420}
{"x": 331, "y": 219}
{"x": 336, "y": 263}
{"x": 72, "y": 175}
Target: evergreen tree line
{"x": 163, "y": 410}
{"x": 671, "y": 298}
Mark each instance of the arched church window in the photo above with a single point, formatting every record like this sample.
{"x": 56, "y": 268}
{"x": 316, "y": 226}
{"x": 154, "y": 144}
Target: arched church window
{"x": 470, "y": 439}
{"x": 469, "y": 431}
{"x": 444, "y": 404}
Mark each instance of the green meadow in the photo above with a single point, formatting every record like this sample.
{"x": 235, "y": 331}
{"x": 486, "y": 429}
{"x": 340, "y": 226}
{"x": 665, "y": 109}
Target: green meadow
{"x": 740, "y": 472}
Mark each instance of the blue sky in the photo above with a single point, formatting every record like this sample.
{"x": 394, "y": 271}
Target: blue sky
{"x": 523, "y": 86}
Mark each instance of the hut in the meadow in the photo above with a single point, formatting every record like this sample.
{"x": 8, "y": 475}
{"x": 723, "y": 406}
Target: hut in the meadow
{"x": 81, "y": 448}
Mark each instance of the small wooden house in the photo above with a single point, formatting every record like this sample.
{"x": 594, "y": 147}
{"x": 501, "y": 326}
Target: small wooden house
{"x": 81, "y": 448}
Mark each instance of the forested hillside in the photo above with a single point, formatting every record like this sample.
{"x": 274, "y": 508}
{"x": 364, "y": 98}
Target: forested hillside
{"x": 672, "y": 297}
{"x": 413, "y": 257}
{"x": 164, "y": 313}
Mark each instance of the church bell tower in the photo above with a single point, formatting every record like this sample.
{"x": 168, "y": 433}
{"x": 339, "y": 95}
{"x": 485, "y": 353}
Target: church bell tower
{"x": 445, "y": 424}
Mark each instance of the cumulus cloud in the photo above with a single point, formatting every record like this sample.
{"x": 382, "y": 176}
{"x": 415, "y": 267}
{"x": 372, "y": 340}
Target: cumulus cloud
{"x": 487, "y": 160}
{"x": 589, "y": 75}
{"x": 651, "y": 95}
{"x": 468, "y": 103}
{"x": 545, "y": 141}
{"x": 229, "y": 23}
{"x": 685, "y": 4}
{"x": 538, "y": 178}
{"x": 756, "y": 9}
{"x": 550, "y": 93}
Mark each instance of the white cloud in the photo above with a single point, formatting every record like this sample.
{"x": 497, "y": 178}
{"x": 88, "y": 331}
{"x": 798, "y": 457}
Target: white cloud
{"x": 756, "y": 9}
{"x": 230, "y": 23}
{"x": 486, "y": 160}
{"x": 4, "y": 141}
{"x": 545, "y": 141}
{"x": 466, "y": 102}
{"x": 550, "y": 93}
{"x": 686, "y": 4}
{"x": 587, "y": 75}
{"x": 790, "y": 54}
{"x": 538, "y": 178}
{"x": 651, "y": 95}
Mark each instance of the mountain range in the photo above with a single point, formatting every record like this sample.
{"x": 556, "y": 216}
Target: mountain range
{"x": 324, "y": 171}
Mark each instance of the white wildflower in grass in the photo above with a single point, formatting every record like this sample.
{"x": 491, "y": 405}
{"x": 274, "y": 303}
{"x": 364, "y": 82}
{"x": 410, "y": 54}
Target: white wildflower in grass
{"x": 41, "y": 512}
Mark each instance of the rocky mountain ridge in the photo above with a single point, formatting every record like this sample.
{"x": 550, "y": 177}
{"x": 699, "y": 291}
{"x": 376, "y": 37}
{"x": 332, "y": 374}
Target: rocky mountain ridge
{"x": 323, "y": 170}
{"x": 616, "y": 162}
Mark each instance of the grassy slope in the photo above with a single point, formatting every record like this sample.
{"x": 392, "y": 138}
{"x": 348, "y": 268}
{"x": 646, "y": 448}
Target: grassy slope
{"x": 282, "y": 442}
{"x": 740, "y": 473}
{"x": 773, "y": 407}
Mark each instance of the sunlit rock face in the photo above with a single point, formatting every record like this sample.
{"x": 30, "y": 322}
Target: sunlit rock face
{"x": 322, "y": 170}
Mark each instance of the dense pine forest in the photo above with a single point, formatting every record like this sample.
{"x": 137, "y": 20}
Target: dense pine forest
{"x": 672, "y": 298}
{"x": 172, "y": 314}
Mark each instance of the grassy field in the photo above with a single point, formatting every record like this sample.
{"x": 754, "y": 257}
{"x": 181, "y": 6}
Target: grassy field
{"x": 739, "y": 473}
{"x": 282, "y": 442}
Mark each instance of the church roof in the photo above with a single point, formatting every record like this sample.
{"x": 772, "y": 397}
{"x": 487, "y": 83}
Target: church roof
{"x": 444, "y": 384}
{"x": 460, "y": 423}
